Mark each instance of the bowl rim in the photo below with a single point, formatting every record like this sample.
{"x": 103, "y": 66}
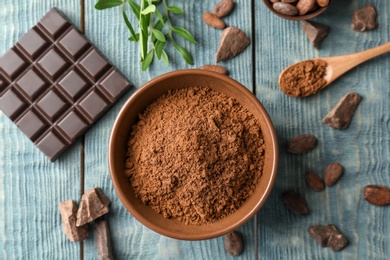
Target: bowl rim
{"x": 297, "y": 17}
{"x": 199, "y": 236}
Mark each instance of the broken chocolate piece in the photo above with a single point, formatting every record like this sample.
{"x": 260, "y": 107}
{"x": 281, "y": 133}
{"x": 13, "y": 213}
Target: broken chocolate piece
{"x": 54, "y": 84}
{"x": 295, "y": 203}
{"x": 341, "y": 115}
{"x": 233, "y": 41}
{"x": 94, "y": 203}
{"x": 364, "y": 19}
{"x": 68, "y": 210}
{"x": 316, "y": 32}
{"x": 333, "y": 173}
{"x": 103, "y": 240}
{"x": 377, "y": 195}
{"x": 328, "y": 236}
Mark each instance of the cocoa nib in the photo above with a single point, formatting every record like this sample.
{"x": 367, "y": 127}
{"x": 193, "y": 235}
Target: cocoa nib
{"x": 364, "y": 19}
{"x": 316, "y": 32}
{"x": 233, "y": 243}
{"x": 295, "y": 203}
{"x": 233, "y": 41}
{"x": 328, "y": 236}
{"x": 333, "y": 173}
{"x": 301, "y": 143}
{"x": 377, "y": 195}
{"x": 314, "y": 181}
{"x": 341, "y": 115}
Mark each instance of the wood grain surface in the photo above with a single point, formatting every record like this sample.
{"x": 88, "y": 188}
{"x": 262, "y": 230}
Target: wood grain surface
{"x": 31, "y": 186}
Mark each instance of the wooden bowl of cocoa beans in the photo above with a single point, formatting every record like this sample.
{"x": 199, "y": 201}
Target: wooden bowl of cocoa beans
{"x": 297, "y": 10}
{"x": 193, "y": 154}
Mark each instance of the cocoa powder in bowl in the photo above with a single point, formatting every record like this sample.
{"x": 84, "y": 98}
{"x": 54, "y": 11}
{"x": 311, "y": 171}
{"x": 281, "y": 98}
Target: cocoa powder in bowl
{"x": 195, "y": 155}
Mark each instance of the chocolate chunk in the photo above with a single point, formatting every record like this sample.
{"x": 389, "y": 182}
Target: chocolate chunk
{"x": 328, "y": 236}
{"x": 316, "y": 32}
{"x": 333, "y": 173}
{"x": 54, "y": 84}
{"x": 233, "y": 41}
{"x": 320, "y": 234}
{"x": 341, "y": 115}
{"x": 301, "y": 144}
{"x": 68, "y": 210}
{"x": 364, "y": 19}
{"x": 94, "y": 203}
{"x": 103, "y": 240}
{"x": 314, "y": 181}
{"x": 295, "y": 203}
{"x": 377, "y": 195}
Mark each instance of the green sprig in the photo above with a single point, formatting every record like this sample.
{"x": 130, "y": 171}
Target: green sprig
{"x": 155, "y": 28}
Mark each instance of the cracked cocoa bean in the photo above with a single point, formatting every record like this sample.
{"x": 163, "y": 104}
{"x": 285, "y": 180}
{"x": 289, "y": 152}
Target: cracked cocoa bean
{"x": 295, "y": 203}
{"x": 377, "y": 195}
{"x": 301, "y": 143}
{"x": 233, "y": 243}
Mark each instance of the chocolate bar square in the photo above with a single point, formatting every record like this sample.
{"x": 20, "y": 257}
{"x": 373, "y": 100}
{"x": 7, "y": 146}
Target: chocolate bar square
{"x": 54, "y": 84}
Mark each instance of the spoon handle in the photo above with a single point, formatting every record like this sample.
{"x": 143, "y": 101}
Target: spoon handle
{"x": 338, "y": 65}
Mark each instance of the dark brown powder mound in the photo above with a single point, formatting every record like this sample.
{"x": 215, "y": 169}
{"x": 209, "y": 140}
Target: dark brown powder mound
{"x": 304, "y": 78}
{"x": 195, "y": 155}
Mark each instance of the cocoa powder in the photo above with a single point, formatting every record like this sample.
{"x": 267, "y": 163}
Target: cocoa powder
{"x": 304, "y": 78}
{"x": 195, "y": 155}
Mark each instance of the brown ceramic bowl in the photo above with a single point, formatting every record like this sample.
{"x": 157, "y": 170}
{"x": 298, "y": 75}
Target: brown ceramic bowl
{"x": 297, "y": 17}
{"x": 118, "y": 146}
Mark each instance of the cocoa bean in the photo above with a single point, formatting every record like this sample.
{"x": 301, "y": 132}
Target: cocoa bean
{"x": 377, "y": 195}
{"x": 285, "y": 8}
{"x": 213, "y": 20}
{"x": 289, "y": 1}
{"x": 215, "y": 68}
{"x": 301, "y": 144}
{"x": 323, "y": 3}
{"x": 314, "y": 181}
{"x": 333, "y": 173}
{"x": 295, "y": 203}
{"x": 304, "y": 6}
{"x": 223, "y": 8}
{"x": 274, "y": 1}
{"x": 233, "y": 243}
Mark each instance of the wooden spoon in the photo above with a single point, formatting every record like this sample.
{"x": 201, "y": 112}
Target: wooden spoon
{"x": 338, "y": 65}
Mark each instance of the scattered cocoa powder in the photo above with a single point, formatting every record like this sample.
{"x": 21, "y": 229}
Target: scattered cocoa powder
{"x": 195, "y": 155}
{"x": 304, "y": 78}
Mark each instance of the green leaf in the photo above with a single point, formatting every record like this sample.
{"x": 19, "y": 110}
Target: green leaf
{"x": 135, "y": 8}
{"x": 184, "y": 33}
{"x": 149, "y": 9}
{"x": 164, "y": 58}
{"x": 184, "y": 53}
{"x": 134, "y": 38}
{"x": 128, "y": 24}
{"x": 148, "y": 60}
{"x": 159, "y": 16}
{"x": 159, "y": 49}
{"x": 143, "y": 42}
{"x": 104, "y": 4}
{"x": 159, "y": 35}
{"x": 175, "y": 9}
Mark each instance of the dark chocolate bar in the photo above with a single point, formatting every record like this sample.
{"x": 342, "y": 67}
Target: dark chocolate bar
{"x": 54, "y": 84}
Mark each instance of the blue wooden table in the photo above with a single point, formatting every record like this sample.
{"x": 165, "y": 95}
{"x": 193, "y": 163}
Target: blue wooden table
{"x": 31, "y": 186}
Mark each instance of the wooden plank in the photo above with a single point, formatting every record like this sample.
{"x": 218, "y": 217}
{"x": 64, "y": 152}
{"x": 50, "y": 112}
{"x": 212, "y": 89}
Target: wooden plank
{"x": 106, "y": 29}
{"x": 363, "y": 149}
{"x": 30, "y": 185}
